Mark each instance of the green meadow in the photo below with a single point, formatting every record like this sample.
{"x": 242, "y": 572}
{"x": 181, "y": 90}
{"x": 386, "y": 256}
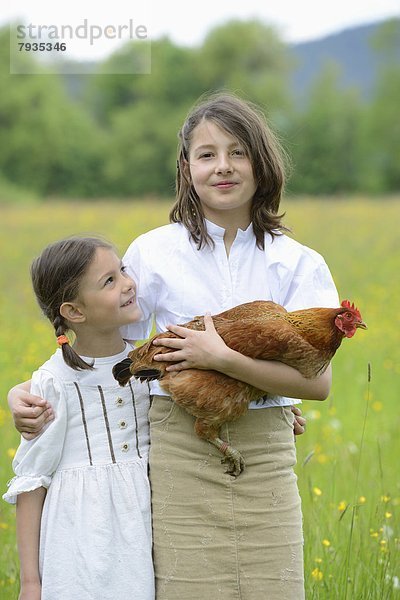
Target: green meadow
{"x": 348, "y": 460}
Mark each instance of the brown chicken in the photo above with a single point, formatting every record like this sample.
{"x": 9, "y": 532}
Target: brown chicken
{"x": 304, "y": 339}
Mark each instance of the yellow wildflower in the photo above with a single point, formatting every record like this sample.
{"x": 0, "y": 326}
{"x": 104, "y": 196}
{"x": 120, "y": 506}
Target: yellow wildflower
{"x": 388, "y": 514}
{"x": 318, "y": 560}
{"x": 362, "y": 500}
{"x": 317, "y": 574}
{"x": 11, "y": 452}
{"x": 385, "y": 498}
{"x": 317, "y": 491}
{"x": 322, "y": 459}
{"x": 326, "y": 543}
{"x": 342, "y": 505}
{"x": 373, "y": 534}
{"x": 377, "y": 406}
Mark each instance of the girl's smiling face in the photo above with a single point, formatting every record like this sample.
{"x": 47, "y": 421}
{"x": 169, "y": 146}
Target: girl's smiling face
{"x": 221, "y": 173}
{"x": 107, "y": 295}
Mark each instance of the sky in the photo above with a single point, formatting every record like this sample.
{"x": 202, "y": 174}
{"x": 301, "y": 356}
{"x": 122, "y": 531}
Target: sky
{"x": 187, "y": 23}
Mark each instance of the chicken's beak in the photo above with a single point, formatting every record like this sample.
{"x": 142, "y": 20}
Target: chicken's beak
{"x": 361, "y": 325}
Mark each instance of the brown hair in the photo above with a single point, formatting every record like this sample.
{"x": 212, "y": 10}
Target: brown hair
{"x": 246, "y": 123}
{"x": 56, "y": 275}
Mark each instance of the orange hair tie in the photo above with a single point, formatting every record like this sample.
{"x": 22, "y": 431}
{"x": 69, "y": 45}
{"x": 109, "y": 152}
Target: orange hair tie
{"x": 62, "y": 339}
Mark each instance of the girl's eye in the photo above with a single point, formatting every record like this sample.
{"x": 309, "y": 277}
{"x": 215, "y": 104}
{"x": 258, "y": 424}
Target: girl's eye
{"x": 238, "y": 152}
{"x": 124, "y": 269}
{"x": 109, "y": 280}
{"x": 206, "y": 155}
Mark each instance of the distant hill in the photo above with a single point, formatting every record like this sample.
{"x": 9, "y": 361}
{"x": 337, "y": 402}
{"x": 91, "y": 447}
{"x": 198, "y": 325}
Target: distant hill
{"x": 352, "y": 49}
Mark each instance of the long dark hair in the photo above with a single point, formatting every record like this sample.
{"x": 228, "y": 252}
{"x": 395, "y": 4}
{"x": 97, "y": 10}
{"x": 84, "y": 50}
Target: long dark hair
{"x": 56, "y": 275}
{"x": 246, "y": 123}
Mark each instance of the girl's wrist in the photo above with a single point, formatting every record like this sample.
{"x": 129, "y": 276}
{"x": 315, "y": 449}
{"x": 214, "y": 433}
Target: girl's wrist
{"x": 30, "y": 591}
{"x": 227, "y": 361}
{"x": 30, "y": 578}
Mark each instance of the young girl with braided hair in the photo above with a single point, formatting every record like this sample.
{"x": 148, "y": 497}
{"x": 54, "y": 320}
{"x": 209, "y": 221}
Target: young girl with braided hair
{"x": 81, "y": 487}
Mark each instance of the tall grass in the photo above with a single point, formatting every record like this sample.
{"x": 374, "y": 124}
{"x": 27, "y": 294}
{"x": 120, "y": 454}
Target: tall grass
{"x": 348, "y": 459}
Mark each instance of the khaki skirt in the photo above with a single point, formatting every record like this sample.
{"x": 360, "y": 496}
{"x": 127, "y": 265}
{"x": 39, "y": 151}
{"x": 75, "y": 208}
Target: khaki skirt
{"x": 216, "y": 537}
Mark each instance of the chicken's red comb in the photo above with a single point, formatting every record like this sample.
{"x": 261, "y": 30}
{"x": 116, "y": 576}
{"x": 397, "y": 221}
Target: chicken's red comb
{"x": 346, "y": 304}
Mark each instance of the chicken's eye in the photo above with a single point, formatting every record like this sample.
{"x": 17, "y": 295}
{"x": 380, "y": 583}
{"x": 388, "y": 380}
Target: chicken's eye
{"x": 348, "y": 315}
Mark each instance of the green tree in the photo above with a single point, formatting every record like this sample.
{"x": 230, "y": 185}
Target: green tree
{"x": 249, "y": 58}
{"x": 382, "y": 126}
{"x": 172, "y": 82}
{"x": 325, "y": 138}
{"x": 141, "y": 157}
{"x": 50, "y": 144}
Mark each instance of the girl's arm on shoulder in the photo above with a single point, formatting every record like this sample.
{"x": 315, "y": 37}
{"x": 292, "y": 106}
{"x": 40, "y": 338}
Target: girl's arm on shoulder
{"x": 29, "y": 514}
{"x": 30, "y": 412}
{"x": 207, "y": 350}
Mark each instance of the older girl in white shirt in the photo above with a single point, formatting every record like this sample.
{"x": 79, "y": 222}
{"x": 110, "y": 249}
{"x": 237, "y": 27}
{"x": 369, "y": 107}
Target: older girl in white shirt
{"x": 215, "y": 536}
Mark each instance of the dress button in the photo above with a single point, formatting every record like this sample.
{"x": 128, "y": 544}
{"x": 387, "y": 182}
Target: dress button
{"x": 125, "y": 447}
{"x": 122, "y": 424}
{"x": 119, "y": 402}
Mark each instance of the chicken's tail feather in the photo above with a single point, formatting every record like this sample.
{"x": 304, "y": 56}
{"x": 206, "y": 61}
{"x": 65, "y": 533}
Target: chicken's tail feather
{"x": 147, "y": 374}
{"x": 122, "y": 372}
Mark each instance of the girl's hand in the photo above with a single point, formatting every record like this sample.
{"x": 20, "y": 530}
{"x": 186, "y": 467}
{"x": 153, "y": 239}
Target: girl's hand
{"x": 194, "y": 349}
{"x": 299, "y": 425}
{"x": 30, "y": 591}
{"x": 30, "y": 413}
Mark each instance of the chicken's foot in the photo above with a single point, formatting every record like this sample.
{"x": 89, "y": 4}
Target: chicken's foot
{"x": 232, "y": 457}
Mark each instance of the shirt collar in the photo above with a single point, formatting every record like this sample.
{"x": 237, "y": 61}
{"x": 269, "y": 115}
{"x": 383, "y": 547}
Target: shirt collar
{"x": 217, "y": 232}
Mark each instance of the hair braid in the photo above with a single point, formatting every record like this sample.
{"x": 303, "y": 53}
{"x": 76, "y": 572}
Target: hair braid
{"x": 69, "y": 355}
{"x": 59, "y": 325}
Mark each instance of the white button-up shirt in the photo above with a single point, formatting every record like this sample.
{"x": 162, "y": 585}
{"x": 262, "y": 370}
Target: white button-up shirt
{"x": 176, "y": 281}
